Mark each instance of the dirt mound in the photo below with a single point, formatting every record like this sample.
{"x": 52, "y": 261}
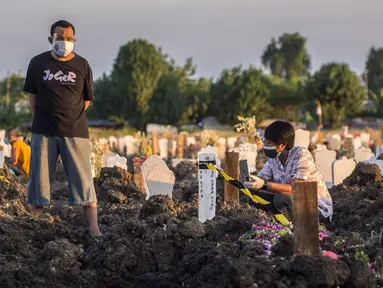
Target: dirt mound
{"x": 115, "y": 185}
{"x": 185, "y": 169}
{"x": 365, "y": 174}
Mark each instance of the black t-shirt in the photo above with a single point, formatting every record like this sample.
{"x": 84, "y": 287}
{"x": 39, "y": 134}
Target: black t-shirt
{"x": 61, "y": 89}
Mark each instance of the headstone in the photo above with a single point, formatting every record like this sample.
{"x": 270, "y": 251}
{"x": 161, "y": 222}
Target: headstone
{"x": 7, "y": 150}
{"x": 130, "y": 144}
{"x": 341, "y": 169}
{"x": 231, "y": 142}
{"x": 159, "y": 179}
{"x": 357, "y": 143}
{"x": 363, "y": 154}
{"x": 190, "y": 141}
{"x": 320, "y": 147}
{"x": 365, "y": 138}
{"x": 2, "y": 134}
{"x": 348, "y": 143}
{"x": 248, "y": 152}
{"x": 335, "y": 142}
{"x": 121, "y": 145}
{"x": 324, "y": 159}
{"x": 377, "y": 162}
{"x": 116, "y": 160}
{"x": 302, "y": 138}
{"x": 207, "y": 191}
{"x": 105, "y": 157}
{"x": 103, "y": 141}
{"x": 113, "y": 143}
{"x": 163, "y": 144}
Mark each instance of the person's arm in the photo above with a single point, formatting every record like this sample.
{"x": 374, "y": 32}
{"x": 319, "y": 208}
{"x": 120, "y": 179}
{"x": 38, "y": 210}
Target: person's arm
{"x": 15, "y": 155}
{"x": 30, "y": 87}
{"x": 32, "y": 103}
{"x": 279, "y": 188}
{"x": 88, "y": 92}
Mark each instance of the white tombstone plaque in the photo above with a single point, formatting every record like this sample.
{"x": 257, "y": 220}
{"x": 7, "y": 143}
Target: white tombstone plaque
{"x": 302, "y": 138}
{"x": 363, "y": 154}
{"x": 130, "y": 145}
{"x": 1, "y": 158}
{"x": 231, "y": 142}
{"x": 324, "y": 159}
{"x": 113, "y": 143}
{"x": 2, "y": 134}
{"x": 121, "y": 145}
{"x": 207, "y": 191}
{"x": 248, "y": 152}
{"x": 190, "y": 141}
{"x": 357, "y": 143}
{"x": 365, "y": 138}
{"x": 341, "y": 169}
{"x": 105, "y": 157}
{"x": 159, "y": 179}
{"x": 221, "y": 148}
{"x": 335, "y": 142}
{"x": 163, "y": 145}
{"x": 116, "y": 160}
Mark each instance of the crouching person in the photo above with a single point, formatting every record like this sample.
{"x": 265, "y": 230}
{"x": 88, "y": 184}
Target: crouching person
{"x": 286, "y": 164}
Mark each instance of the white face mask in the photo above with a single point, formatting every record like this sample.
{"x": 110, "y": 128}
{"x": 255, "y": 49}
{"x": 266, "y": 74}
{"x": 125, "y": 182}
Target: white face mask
{"x": 62, "y": 48}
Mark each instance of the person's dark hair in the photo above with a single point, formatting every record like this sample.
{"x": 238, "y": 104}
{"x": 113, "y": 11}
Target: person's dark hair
{"x": 281, "y": 132}
{"x": 11, "y": 132}
{"x": 63, "y": 24}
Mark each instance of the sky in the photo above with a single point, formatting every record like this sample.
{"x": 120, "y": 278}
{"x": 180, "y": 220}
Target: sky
{"x": 218, "y": 34}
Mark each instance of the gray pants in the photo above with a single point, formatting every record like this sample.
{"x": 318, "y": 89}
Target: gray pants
{"x": 75, "y": 155}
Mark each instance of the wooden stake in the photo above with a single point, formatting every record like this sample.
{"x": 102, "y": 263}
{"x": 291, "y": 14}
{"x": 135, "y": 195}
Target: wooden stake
{"x": 181, "y": 139}
{"x": 156, "y": 144}
{"x": 305, "y": 218}
{"x": 231, "y": 169}
{"x": 138, "y": 177}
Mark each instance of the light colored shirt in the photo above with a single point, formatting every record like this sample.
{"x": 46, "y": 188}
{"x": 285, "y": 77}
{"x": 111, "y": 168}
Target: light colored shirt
{"x": 300, "y": 165}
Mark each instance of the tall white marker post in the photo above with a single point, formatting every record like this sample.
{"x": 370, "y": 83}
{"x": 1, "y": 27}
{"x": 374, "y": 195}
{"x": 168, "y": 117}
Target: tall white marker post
{"x": 207, "y": 188}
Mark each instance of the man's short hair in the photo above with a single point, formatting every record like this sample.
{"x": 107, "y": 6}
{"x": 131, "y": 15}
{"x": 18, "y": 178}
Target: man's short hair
{"x": 11, "y": 132}
{"x": 63, "y": 24}
{"x": 281, "y": 132}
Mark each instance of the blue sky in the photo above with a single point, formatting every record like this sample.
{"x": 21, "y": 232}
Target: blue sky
{"x": 218, "y": 34}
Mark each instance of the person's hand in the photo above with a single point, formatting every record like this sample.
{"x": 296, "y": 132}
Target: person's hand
{"x": 256, "y": 183}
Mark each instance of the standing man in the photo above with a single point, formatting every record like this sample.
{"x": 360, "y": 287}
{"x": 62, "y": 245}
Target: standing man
{"x": 60, "y": 87}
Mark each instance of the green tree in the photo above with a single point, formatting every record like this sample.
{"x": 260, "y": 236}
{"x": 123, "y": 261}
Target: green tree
{"x": 339, "y": 89}
{"x": 288, "y": 57}
{"x": 239, "y": 92}
{"x": 374, "y": 76}
{"x": 136, "y": 72}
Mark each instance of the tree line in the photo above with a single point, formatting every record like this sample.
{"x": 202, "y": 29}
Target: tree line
{"x": 146, "y": 86}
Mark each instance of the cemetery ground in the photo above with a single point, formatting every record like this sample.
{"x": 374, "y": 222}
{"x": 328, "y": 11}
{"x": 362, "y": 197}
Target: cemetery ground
{"x": 160, "y": 242}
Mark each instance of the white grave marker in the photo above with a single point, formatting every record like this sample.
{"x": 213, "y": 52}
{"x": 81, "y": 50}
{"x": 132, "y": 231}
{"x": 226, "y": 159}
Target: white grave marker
{"x": 231, "y": 142}
{"x": 2, "y": 134}
{"x": 302, "y": 138}
{"x": 365, "y": 138}
{"x": 335, "y": 142}
{"x": 116, "y": 160}
{"x": 324, "y": 159}
{"x": 113, "y": 143}
{"x": 248, "y": 152}
{"x": 130, "y": 144}
{"x": 105, "y": 157}
{"x": 158, "y": 178}
{"x": 1, "y": 157}
{"x": 207, "y": 191}
{"x": 357, "y": 143}
{"x": 221, "y": 148}
{"x": 121, "y": 144}
{"x": 163, "y": 145}
{"x": 190, "y": 141}
{"x": 363, "y": 154}
{"x": 341, "y": 169}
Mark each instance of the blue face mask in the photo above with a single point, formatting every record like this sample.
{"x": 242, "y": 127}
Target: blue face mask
{"x": 6, "y": 142}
